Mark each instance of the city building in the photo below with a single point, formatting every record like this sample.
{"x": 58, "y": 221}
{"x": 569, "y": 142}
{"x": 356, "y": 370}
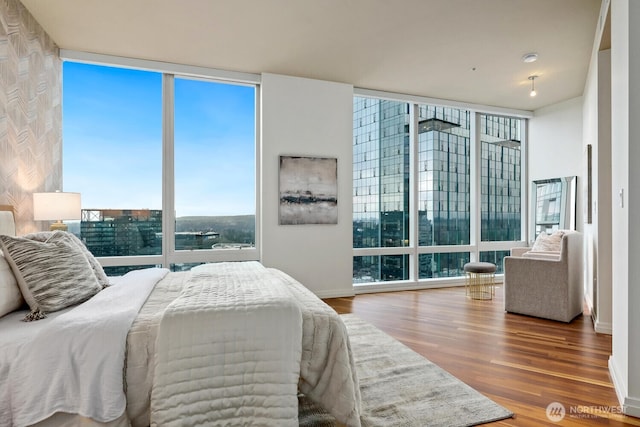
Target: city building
{"x": 121, "y": 232}
{"x": 382, "y": 186}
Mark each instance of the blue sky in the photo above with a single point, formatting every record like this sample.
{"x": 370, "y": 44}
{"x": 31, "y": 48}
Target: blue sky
{"x": 112, "y": 141}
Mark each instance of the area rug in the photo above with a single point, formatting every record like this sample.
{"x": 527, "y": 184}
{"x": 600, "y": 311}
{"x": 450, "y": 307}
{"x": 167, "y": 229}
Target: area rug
{"x": 401, "y": 388}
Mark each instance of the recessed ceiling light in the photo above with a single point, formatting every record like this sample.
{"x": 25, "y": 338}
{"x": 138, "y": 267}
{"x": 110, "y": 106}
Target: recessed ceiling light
{"x": 529, "y": 57}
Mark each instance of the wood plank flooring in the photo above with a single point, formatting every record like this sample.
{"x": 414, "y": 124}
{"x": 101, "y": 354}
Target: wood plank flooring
{"x": 520, "y": 362}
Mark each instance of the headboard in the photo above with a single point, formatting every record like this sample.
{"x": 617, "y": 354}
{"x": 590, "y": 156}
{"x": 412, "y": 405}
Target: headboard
{"x": 7, "y": 220}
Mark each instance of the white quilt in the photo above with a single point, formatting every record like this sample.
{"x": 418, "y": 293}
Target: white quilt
{"x": 76, "y": 362}
{"x": 228, "y": 350}
{"x": 327, "y": 370}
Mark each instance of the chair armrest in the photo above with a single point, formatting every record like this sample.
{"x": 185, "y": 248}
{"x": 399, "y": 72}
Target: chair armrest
{"x": 550, "y": 255}
{"x": 519, "y": 251}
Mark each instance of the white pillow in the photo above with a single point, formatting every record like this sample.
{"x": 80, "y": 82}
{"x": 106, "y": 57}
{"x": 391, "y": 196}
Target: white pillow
{"x": 548, "y": 242}
{"x": 10, "y": 296}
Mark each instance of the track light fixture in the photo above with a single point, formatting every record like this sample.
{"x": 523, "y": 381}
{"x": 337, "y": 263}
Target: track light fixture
{"x": 533, "y": 88}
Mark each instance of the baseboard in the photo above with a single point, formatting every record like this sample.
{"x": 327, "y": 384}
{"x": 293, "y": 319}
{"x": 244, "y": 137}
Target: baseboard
{"x": 618, "y": 384}
{"x": 334, "y": 293}
{"x": 630, "y": 405}
{"x": 602, "y": 327}
{"x": 408, "y": 285}
{"x": 445, "y": 282}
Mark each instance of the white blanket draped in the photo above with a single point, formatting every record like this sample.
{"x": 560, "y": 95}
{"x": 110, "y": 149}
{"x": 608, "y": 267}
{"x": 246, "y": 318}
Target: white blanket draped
{"x": 229, "y": 347}
{"x": 76, "y": 362}
{"x": 327, "y": 371}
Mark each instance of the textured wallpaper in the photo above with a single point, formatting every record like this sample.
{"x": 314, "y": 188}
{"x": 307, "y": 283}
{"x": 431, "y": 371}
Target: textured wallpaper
{"x": 30, "y": 112}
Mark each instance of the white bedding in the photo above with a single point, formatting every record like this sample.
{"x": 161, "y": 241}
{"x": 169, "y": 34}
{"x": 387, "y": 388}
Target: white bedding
{"x": 74, "y": 363}
{"x": 325, "y": 365}
{"x": 228, "y": 350}
{"x": 141, "y": 347}
{"x": 327, "y": 371}
{"x": 13, "y": 334}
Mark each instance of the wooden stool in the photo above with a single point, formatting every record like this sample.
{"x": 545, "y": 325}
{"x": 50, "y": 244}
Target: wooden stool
{"x": 479, "y": 283}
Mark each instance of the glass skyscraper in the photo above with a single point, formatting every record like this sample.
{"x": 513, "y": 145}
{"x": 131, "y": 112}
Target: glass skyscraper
{"x": 382, "y": 186}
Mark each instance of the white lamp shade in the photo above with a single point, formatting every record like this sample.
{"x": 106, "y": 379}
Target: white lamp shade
{"x": 56, "y": 206}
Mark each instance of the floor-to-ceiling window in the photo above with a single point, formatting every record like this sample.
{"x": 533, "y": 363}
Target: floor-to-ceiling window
{"x": 214, "y": 152}
{"x": 112, "y": 155}
{"x": 416, "y": 172}
{"x": 156, "y": 154}
{"x": 501, "y": 190}
{"x": 443, "y": 182}
{"x": 380, "y": 188}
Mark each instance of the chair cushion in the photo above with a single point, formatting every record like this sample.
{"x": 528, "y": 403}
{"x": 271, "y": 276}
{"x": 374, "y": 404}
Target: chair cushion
{"x": 479, "y": 267}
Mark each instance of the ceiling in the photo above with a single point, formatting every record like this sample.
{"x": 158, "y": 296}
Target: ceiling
{"x": 461, "y": 50}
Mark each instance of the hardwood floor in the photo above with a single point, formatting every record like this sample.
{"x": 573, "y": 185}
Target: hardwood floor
{"x": 520, "y": 362}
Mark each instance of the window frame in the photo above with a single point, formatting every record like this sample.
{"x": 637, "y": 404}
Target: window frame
{"x": 476, "y": 245}
{"x": 169, "y": 71}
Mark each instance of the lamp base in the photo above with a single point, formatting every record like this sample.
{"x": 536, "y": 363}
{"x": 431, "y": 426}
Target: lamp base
{"x": 58, "y": 225}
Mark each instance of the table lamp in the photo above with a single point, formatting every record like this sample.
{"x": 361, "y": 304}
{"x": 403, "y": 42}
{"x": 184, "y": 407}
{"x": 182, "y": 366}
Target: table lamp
{"x": 56, "y": 206}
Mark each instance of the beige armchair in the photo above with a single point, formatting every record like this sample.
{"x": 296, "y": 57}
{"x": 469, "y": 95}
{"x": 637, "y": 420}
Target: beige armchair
{"x": 546, "y": 284}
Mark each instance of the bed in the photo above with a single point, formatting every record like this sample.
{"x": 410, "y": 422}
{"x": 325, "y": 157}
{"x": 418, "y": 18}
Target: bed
{"x": 222, "y": 344}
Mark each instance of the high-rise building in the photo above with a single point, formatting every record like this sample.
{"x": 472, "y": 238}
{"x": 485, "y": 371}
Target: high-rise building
{"x": 121, "y": 232}
{"x": 382, "y": 185}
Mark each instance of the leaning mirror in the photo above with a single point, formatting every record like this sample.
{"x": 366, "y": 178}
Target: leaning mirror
{"x": 554, "y": 205}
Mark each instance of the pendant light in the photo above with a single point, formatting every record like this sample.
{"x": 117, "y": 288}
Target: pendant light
{"x": 533, "y": 88}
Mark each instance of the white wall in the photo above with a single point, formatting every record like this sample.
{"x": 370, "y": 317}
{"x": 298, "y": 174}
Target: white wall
{"x": 556, "y": 147}
{"x": 618, "y": 363}
{"x": 304, "y": 117}
{"x": 624, "y": 364}
{"x": 602, "y": 199}
{"x": 590, "y": 132}
{"x": 597, "y": 133}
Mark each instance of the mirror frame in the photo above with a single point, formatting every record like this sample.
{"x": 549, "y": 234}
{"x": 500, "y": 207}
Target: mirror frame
{"x": 567, "y": 220}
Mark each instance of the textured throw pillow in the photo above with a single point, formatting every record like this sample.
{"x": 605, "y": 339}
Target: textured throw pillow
{"x": 43, "y": 236}
{"x": 10, "y": 296}
{"x": 539, "y": 241}
{"x": 548, "y": 242}
{"x": 51, "y": 275}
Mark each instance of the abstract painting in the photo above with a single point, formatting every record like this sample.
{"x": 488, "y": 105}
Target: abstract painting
{"x": 308, "y": 190}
